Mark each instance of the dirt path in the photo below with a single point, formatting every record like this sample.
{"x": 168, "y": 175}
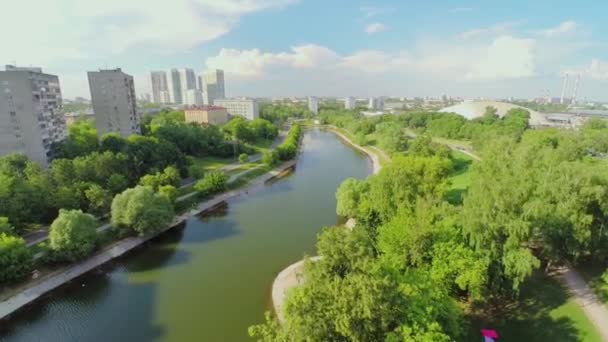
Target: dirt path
{"x": 586, "y": 299}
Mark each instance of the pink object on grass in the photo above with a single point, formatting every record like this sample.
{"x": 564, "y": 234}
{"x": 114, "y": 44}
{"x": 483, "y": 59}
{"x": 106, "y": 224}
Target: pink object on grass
{"x": 489, "y": 333}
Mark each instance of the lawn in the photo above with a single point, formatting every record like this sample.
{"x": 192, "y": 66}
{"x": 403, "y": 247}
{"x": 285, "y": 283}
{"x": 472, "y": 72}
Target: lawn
{"x": 460, "y": 178}
{"x": 544, "y": 312}
{"x": 212, "y": 163}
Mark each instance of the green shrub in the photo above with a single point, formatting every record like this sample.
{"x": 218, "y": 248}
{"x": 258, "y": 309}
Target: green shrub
{"x": 15, "y": 258}
{"x": 72, "y": 235}
{"x": 212, "y": 183}
{"x": 243, "y": 158}
{"x": 142, "y": 210}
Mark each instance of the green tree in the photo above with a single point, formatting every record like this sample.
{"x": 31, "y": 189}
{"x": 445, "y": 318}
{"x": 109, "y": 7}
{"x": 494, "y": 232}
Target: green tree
{"x": 168, "y": 191}
{"x": 243, "y": 158}
{"x": 270, "y": 158}
{"x": 5, "y": 226}
{"x": 213, "y": 182}
{"x": 99, "y": 200}
{"x": 142, "y": 210}
{"x": 16, "y": 259}
{"x": 72, "y": 235}
{"x": 348, "y": 196}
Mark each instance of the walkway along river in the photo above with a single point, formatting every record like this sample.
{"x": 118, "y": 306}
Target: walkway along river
{"x": 210, "y": 280}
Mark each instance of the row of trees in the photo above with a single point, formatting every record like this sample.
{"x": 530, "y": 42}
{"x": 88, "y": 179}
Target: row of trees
{"x": 279, "y": 113}
{"x": 399, "y": 275}
{"x": 287, "y": 150}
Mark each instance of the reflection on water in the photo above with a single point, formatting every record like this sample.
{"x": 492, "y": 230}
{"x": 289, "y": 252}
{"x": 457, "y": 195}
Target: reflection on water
{"x": 209, "y": 280}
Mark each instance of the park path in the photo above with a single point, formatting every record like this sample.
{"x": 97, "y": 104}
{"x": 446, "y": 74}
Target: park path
{"x": 595, "y": 310}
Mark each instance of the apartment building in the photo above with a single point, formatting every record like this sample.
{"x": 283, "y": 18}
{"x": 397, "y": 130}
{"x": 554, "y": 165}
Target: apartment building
{"x": 114, "y": 102}
{"x": 213, "y": 86}
{"x": 30, "y": 112}
{"x": 246, "y": 108}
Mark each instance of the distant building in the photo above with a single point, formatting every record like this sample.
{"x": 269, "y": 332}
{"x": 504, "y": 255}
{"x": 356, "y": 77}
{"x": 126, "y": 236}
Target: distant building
{"x": 350, "y": 103}
{"x": 30, "y": 118}
{"x": 114, "y": 104}
{"x": 246, "y": 108}
{"x": 375, "y": 103}
{"x": 194, "y": 97}
{"x": 212, "y": 115}
{"x": 180, "y": 81}
{"x": 313, "y": 105}
{"x": 70, "y": 118}
{"x": 213, "y": 86}
{"x": 160, "y": 89}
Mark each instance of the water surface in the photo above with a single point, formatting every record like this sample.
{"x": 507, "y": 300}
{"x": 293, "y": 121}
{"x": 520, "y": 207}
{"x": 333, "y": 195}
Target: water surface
{"x": 211, "y": 279}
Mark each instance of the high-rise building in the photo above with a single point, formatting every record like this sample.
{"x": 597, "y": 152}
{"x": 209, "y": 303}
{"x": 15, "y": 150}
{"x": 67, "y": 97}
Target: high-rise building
{"x": 375, "y": 103}
{"x": 246, "y": 108}
{"x": 114, "y": 102}
{"x": 213, "y": 86}
{"x": 349, "y": 103}
{"x": 194, "y": 97}
{"x": 180, "y": 81}
{"x": 313, "y": 104}
{"x": 159, "y": 86}
{"x": 30, "y": 112}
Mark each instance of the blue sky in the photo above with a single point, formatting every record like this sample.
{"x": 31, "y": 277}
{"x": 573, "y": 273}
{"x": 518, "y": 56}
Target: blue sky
{"x": 324, "y": 48}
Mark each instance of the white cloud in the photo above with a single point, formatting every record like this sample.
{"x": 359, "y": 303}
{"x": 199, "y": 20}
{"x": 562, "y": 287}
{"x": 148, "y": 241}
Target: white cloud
{"x": 254, "y": 63}
{"x": 506, "y": 57}
{"x": 564, "y": 28}
{"x": 596, "y": 69}
{"x": 375, "y": 28}
{"x": 70, "y": 29}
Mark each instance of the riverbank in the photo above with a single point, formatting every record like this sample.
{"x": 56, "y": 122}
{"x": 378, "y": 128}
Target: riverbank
{"x": 37, "y": 289}
{"x": 292, "y": 275}
{"x": 373, "y": 156}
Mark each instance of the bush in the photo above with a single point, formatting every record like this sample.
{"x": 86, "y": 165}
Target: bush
{"x": 72, "y": 235}
{"x": 169, "y": 191}
{"x": 5, "y": 226}
{"x": 141, "y": 210}
{"x": 15, "y": 258}
{"x": 169, "y": 176}
{"x": 213, "y": 182}
{"x": 288, "y": 149}
{"x": 270, "y": 158}
{"x": 243, "y": 158}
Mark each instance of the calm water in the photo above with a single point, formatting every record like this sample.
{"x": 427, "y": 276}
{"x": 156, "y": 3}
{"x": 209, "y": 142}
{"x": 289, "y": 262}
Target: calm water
{"x": 210, "y": 280}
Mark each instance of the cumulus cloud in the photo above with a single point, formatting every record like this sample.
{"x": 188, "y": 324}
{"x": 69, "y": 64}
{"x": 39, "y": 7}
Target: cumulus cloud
{"x": 68, "y": 29}
{"x": 375, "y": 28}
{"x": 596, "y": 69}
{"x": 506, "y": 57}
{"x": 564, "y": 28}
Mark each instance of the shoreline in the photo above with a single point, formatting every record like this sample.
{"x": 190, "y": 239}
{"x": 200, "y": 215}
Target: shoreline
{"x": 291, "y": 275}
{"x": 37, "y": 290}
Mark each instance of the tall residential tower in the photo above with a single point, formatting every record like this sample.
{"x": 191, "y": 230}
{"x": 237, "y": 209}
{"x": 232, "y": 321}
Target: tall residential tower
{"x": 114, "y": 102}
{"x": 30, "y": 117}
{"x": 160, "y": 89}
{"x": 213, "y": 86}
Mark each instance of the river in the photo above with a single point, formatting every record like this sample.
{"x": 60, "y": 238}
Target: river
{"x": 211, "y": 279}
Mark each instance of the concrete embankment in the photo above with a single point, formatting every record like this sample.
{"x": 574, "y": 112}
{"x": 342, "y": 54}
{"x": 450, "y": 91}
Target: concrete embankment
{"x": 293, "y": 274}
{"x": 38, "y": 288}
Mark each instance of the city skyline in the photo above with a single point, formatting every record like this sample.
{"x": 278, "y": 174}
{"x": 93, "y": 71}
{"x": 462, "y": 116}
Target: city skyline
{"x": 268, "y": 47}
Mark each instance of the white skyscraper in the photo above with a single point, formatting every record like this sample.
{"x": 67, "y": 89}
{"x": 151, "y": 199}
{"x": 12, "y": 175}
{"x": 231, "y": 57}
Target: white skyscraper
{"x": 313, "y": 104}
{"x": 180, "y": 81}
{"x": 213, "y": 86}
{"x": 30, "y": 118}
{"x": 349, "y": 103}
{"x": 194, "y": 97}
{"x": 375, "y": 103}
{"x": 114, "y": 103}
{"x": 159, "y": 86}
